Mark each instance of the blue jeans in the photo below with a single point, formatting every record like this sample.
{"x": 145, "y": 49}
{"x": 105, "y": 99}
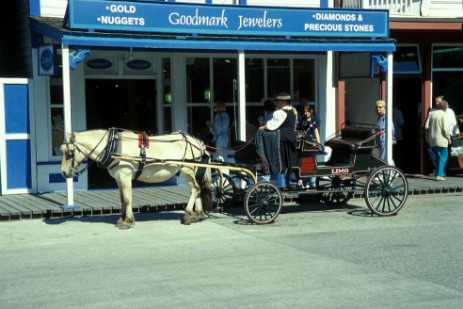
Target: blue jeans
{"x": 312, "y": 181}
{"x": 263, "y": 178}
{"x": 279, "y": 179}
{"x": 442, "y": 153}
{"x": 433, "y": 158}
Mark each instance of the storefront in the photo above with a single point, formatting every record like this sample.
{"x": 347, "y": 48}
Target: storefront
{"x": 123, "y": 65}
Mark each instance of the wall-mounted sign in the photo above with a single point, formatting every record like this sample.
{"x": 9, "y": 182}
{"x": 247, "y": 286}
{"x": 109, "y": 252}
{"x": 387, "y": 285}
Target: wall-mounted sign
{"x": 226, "y": 20}
{"x": 47, "y": 61}
{"x": 99, "y": 64}
{"x": 138, "y": 64}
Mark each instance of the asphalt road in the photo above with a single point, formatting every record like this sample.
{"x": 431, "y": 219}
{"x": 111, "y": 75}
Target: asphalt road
{"x": 312, "y": 257}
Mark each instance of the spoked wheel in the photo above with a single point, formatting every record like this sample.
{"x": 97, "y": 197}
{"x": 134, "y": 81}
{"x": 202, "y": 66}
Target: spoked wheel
{"x": 242, "y": 183}
{"x": 263, "y": 203}
{"x": 336, "y": 190}
{"x": 386, "y": 191}
{"x": 222, "y": 193}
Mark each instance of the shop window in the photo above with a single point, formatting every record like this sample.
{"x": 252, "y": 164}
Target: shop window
{"x": 447, "y": 78}
{"x": 167, "y": 120}
{"x": 57, "y": 115}
{"x": 447, "y": 57}
{"x": 166, "y": 96}
{"x": 225, "y": 79}
{"x": 449, "y": 84}
{"x": 304, "y": 78}
{"x": 407, "y": 60}
{"x": 198, "y": 80}
{"x": 197, "y": 117}
{"x": 278, "y": 76}
{"x": 254, "y": 80}
{"x": 264, "y": 78}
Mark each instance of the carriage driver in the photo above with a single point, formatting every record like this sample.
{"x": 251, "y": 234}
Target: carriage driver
{"x": 284, "y": 120}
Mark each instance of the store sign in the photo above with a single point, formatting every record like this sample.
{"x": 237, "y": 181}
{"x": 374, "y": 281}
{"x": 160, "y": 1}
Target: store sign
{"x": 226, "y": 20}
{"x": 138, "y": 64}
{"x": 46, "y": 61}
{"x": 99, "y": 64}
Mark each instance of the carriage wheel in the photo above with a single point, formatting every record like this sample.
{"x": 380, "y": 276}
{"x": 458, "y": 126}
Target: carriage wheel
{"x": 242, "y": 183}
{"x": 336, "y": 190}
{"x": 386, "y": 191}
{"x": 222, "y": 194}
{"x": 263, "y": 203}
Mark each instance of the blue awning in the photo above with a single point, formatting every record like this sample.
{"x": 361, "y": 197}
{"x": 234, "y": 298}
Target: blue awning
{"x": 52, "y": 28}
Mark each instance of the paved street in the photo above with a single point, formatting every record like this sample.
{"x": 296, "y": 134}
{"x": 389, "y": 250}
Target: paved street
{"x": 312, "y": 257}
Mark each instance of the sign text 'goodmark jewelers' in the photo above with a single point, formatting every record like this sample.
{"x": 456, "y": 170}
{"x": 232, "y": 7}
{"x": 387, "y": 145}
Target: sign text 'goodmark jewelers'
{"x": 226, "y": 20}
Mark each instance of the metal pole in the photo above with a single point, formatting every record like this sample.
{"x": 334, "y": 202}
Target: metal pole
{"x": 242, "y": 95}
{"x": 67, "y": 117}
{"x": 389, "y": 109}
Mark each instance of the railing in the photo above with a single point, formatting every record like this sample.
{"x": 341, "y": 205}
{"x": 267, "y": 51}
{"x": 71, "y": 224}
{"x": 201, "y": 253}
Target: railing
{"x": 409, "y": 8}
{"x": 395, "y": 7}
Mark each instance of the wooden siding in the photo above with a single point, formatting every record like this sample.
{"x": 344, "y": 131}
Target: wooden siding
{"x": 442, "y": 8}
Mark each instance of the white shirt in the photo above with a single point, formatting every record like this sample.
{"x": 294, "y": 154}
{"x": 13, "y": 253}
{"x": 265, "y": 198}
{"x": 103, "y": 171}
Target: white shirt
{"x": 278, "y": 118}
{"x": 452, "y": 121}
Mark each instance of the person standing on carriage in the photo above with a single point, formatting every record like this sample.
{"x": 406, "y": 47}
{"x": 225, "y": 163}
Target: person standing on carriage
{"x": 310, "y": 126}
{"x": 219, "y": 130}
{"x": 284, "y": 120}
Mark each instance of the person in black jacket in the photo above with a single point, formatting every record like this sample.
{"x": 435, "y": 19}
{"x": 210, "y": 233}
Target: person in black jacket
{"x": 284, "y": 120}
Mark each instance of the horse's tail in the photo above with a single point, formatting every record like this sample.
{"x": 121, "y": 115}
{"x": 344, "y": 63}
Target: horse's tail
{"x": 205, "y": 185}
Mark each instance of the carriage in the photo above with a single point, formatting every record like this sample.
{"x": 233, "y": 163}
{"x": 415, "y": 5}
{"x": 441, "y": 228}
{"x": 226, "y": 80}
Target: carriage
{"x": 351, "y": 169}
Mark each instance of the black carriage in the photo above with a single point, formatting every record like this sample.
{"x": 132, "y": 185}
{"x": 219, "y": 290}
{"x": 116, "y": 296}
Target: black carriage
{"x": 352, "y": 169}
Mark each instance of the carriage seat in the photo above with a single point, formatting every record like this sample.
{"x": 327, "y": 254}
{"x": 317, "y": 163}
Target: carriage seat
{"x": 307, "y": 147}
{"x": 353, "y": 138}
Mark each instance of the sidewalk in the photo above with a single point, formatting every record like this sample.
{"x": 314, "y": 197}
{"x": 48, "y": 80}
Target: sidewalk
{"x": 420, "y": 184}
{"x": 153, "y": 199}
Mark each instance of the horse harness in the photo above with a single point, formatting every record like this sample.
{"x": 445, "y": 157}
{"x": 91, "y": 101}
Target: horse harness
{"x": 105, "y": 159}
{"x": 143, "y": 144}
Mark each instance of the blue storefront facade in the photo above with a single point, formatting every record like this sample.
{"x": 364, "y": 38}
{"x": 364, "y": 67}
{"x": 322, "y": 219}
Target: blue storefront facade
{"x": 174, "y": 60}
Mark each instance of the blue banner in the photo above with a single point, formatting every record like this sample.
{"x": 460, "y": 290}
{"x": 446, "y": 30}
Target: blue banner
{"x": 179, "y": 18}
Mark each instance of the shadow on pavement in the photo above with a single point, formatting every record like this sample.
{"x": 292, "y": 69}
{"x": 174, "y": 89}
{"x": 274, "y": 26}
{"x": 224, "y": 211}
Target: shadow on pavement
{"x": 112, "y": 219}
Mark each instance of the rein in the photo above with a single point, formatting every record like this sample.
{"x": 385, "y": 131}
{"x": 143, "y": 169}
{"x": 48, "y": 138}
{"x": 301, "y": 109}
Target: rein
{"x": 236, "y": 148}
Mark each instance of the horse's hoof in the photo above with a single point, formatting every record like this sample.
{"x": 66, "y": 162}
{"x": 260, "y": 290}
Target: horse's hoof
{"x": 186, "y": 221}
{"x": 195, "y": 217}
{"x": 119, "y": 223}
{"x": 201, "y": 215}
{"x": 123, "y": 225}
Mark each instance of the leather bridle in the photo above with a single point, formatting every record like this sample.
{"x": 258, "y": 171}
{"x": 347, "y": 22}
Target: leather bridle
{"x": 71, "y": 153}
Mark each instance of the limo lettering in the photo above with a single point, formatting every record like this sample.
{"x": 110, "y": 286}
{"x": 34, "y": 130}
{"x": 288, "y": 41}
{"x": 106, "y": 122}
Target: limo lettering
{"x": 339, "y": 170}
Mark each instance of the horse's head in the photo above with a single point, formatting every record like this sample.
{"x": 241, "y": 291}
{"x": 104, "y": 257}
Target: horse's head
{"x": 72, "y": 156}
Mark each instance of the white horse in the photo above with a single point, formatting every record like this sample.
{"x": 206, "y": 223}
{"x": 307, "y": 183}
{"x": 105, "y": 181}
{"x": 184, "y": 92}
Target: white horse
{"x": 132, "y": 156}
